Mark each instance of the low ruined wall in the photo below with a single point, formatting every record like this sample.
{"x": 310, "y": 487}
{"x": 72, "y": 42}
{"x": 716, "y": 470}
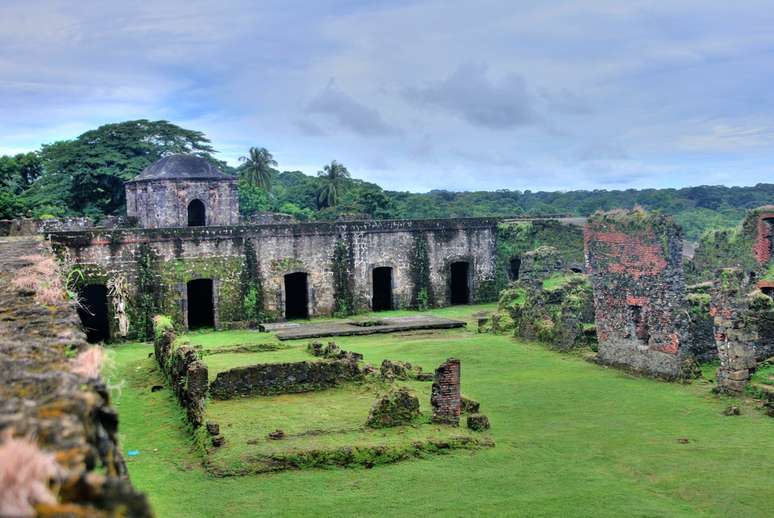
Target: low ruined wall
{"x": 187, "y": 375}
{"x": 283, "y": 378}
{"x": 48, "y": 396}
{"x": 635, "y": 262}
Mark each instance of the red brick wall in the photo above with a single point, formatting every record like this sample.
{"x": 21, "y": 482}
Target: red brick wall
{"x": 445, "y": 399}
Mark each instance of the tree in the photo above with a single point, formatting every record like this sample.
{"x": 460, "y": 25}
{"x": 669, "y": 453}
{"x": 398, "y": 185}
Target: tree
{"x": 257, "y": 168}
{"x": 334, "y": 177}
{"x": 88, "y": 173}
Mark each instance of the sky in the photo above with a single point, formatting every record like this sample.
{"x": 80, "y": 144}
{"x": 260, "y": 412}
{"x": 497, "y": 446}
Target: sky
{"x": 414, "y": 95}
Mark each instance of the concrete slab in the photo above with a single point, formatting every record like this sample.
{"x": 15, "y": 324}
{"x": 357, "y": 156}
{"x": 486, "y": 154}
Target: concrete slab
{"x": 278, "y": 326}
{"x": 367, "y": 327}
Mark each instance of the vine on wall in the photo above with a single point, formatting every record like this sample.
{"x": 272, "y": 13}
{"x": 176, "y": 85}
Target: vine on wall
{"x": 343, "y": 294}
{"x": 149, "y": 291}
{"x": 251, "y": 287}
{"x": 422, "y": 294}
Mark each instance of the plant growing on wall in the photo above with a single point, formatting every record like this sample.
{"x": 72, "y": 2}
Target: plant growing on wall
{"x": 250, "y": 286}
{"x": 343, "y": 294}
{"x": 148, "y": 300}
{"x": 422, "y": 295}
{"x": 118, "y": 290}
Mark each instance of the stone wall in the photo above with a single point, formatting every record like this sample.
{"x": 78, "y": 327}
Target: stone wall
{"x": 48, "y": 396}
{"x": 186, "y": 374}
{"x": 178, "y": 255}
{"x": 283, "y": 378}
{"x": 635, "y": 260}
{"x": 445, "y": 396}
{"x": 701, "y": 332}
{"x": 164, "y": 203}
{"x": 744, "y": 327}
{"x": 747, "y": 247}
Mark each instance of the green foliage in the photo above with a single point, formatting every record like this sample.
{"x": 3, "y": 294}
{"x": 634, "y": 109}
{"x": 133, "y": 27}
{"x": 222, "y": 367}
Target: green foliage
{"x": 516, "y": 238}
{"x": 343, "y": 292}
{"x": 161, "y": 324}
{"x": 148, "y": 301}
{"x": 251, "y": 286}
{"x": 334, "y": 181}
{"x": 421, "y": 295}
{"x": 257, "y": 168}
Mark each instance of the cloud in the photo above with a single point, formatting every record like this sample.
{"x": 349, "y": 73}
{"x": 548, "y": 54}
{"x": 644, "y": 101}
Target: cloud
{"x": 348, "y": 113}
{"x": 469, "y": 93}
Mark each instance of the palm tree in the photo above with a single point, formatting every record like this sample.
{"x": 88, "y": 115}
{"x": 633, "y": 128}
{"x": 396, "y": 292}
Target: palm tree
{"x": 257, "y": 168}
{"x": 334, "y": 176}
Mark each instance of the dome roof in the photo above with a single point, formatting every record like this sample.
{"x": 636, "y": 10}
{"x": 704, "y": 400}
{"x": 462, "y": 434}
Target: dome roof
{"x": 182, "y": 167}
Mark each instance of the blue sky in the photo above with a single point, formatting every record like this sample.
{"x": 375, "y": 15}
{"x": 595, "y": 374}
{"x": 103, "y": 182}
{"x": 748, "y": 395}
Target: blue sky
{"x": 540, "y": 95}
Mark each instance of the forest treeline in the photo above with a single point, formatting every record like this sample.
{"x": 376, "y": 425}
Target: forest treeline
{"x": 84, "y": 177}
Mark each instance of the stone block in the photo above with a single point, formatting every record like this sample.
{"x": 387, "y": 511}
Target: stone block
{"x": 396, "y": 408}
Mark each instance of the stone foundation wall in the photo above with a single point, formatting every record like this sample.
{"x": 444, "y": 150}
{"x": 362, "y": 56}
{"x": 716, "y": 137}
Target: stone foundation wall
{"x": 445, "y": 397}
{"x": 65, "y": 410}
{"x": 635, "y": 260}
{"x": 283, "y": 378}
{"x": 178, "y": 255}
{"x": 186, "y": 374}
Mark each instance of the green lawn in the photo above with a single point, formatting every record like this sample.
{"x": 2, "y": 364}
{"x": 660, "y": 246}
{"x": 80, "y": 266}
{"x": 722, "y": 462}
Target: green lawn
{"x": 572, "y": 439}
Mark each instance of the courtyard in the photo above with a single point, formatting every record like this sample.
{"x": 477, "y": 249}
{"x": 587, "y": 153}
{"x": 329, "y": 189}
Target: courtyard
{"x": 568, "y": 435}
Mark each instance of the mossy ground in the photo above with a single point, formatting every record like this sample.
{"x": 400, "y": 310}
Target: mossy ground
{"x": 572, "y": 439}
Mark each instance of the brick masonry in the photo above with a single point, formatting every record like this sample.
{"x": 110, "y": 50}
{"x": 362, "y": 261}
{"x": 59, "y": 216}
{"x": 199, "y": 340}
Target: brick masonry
{"x": 635, "y": 262}
{"x": 445, "y": 397}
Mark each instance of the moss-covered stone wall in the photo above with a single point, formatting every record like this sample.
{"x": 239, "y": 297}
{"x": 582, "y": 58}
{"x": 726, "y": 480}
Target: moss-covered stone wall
{"x": 157, "y": 264}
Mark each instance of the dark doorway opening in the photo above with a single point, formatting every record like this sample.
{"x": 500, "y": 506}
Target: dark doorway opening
{"x": 513, "y": 271}
{"x": 639, "y": 324}
{"x": 296, "y": 296}
{"x": 382, "y": 294}
{"x": 93, "y": 310}
{"x": 196, "y": 214}
{"x": 201, "y": 310}
{"x": 460, "y": 283}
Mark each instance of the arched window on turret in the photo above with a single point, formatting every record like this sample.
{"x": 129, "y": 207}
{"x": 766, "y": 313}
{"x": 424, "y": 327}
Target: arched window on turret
{"x": 196, "y": 214}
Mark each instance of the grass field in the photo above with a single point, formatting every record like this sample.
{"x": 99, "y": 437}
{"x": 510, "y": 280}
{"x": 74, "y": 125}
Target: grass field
{"x": 572, "y": 439}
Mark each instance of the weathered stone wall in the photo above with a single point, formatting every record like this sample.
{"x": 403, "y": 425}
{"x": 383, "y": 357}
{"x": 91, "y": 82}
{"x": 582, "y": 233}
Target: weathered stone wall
{"x": 46, "y": 397}
{"x": 635, "y": 260}
{"x": 283, "y": 378}
{"x": 179, "y": 255}
{"x": 517, "y": 237}
{"x": 186, "y": 374}
{"x": 164, "y": 203}
{"x": 747, "y": 247}
{"x": 445, "y": 397}
{"x": 700, "y": 342}
{"x": 744, "y": 327}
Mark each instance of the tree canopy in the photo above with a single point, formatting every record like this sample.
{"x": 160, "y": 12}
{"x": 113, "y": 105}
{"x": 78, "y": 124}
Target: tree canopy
{"x": 85, "y": 176}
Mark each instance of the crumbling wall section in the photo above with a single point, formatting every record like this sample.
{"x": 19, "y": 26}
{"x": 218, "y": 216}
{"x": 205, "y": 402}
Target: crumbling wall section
{"x": 445, "y": 397}
{"x": 186, "y": 373}
{"x": 744, "y": 327}
{"x": 635, "y": 260}
{"x": 48, "y": 398}
{"x": 283, "y": 378}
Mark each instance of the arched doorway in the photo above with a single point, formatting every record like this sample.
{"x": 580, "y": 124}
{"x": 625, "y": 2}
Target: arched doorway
{"x": 382, "y": 289}
{"x": 196, "y": 214}
{"x": 460, "y": 282}
{"x": 93, "y": 311}
{"x": 296, "y": 295}
{"x": 201, "y": 310}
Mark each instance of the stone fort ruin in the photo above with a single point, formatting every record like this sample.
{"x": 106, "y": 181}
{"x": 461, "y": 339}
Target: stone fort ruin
{"x": 190, "y": 257}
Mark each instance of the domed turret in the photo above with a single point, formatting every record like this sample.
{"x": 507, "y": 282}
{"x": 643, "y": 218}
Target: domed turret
{"x": 182, "y": 190}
